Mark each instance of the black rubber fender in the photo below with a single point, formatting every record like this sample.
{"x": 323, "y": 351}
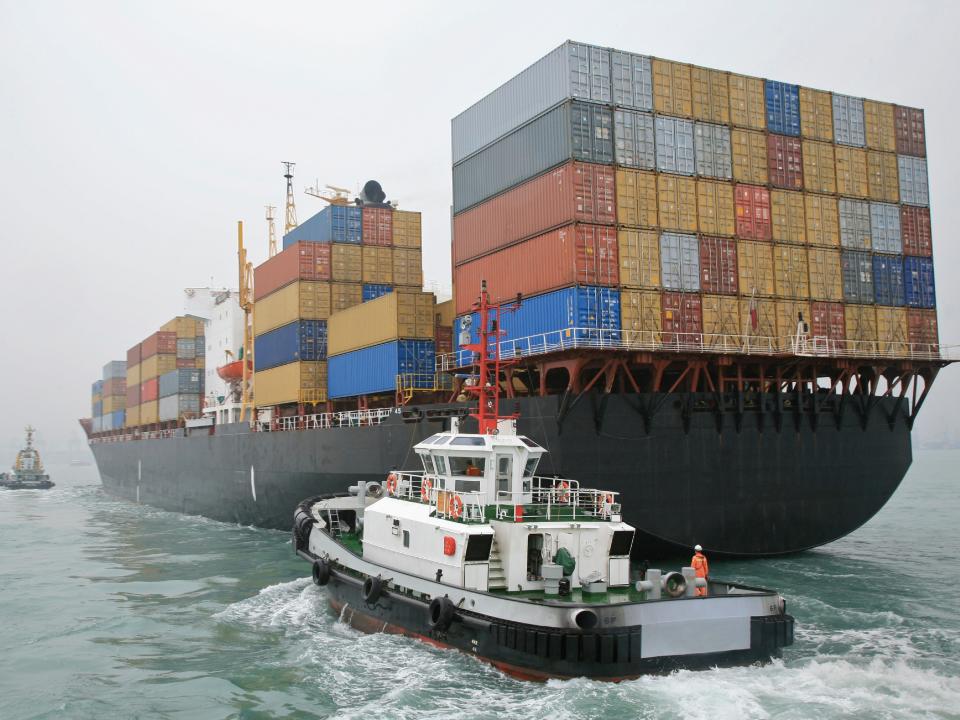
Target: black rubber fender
{"x": 372, "y": 589}
{"x": 321, "y": 572}
{"x": 440, "y": 613}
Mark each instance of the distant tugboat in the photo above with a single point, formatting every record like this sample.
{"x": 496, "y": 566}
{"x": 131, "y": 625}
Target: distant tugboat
{"x": 529, "y": 573}
{"x": 28, "y": 473}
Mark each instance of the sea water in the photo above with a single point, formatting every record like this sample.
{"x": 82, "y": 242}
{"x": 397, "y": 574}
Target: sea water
{"x": 110, "y": 609}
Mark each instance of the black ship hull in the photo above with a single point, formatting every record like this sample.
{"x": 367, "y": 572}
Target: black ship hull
{"x": 780, "y": 475}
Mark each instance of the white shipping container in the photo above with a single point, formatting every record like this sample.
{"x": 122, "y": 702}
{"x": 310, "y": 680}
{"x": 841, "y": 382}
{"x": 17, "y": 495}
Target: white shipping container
{"x": 848, "y": 125}
{"x": 713, "y": 153}
{"x": 854, "y": 224}
{"x": 885, "y": 228}
{"x": 634, "y": 139}
{"x": 632, "y": 80}
{"x": 914, "y": 188}
{"x": 680, "y": 261}
{"x": 675, "y": 153}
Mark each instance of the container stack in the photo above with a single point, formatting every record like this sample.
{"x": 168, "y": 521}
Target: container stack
{"x": 96, "y": 405}
{"x": 341, "y": 257}
{"x": 622, "y": 192}
{"x": 114, "y": 395}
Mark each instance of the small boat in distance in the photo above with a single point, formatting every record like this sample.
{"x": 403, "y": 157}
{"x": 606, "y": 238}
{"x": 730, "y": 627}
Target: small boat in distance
{"x": 27, "y": 472}
{"x": 529, "y": 573}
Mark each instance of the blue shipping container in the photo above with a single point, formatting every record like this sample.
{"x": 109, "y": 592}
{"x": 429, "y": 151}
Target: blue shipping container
{"x": 115, "y": 369}
{"x": 373, "y": 291}
{"x": 374, "y": 369}
{"x": 783, "y": 108}
{"x": 335, "y": 223}
{"x": 114, "y": 420}
{"x": 97, "y": 387}
{"x": 301, "y": 340}
{"x": 181, "y": 381}
{"x": 918, "y": 284}
{"x": 98, "y": 408}
{"x": 888, "y": 279}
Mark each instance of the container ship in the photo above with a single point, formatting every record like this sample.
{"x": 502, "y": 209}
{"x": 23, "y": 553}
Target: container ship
{"x": 726, "y": 314}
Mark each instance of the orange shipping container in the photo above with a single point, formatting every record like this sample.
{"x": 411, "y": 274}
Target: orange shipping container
{"x": 892, "y": 331}
{"x": 408, "y": 267}
{"x": 149, "y": 412}
{"x": 132, "y": 416}
{"x": 711, "y": 95}
{"x": 788, "y": 216}
{"x": 301, "y": 300}
{"x": 816, "y": 114}
{"x": 791, "y": 272}
{"x": 344, "y": 295}
{"x": 755, "y": 261}
{"x": 883, "y": 181}
{"x": 677, "y": 198}
{"x": 826, "y": 278}
{"x": 747, "y": 102}
{"x": 346, "y": 261}
{"x": 819, "y": 171}
{"x": 715, "y": 208}
{"x": 407, "y": 230}
{"x": 640, "y": 313}
{"x": 378, "y": 265}
{"x": 861, "y": 322}
{"x": 879, "y": 125}
{"x": 823, "y": 220}
{"x": 672, "y": 94}
{"x": 572, "y": 255}
{"x": 637, "y": 198}
{"x": 851, "y": 171}
{"x": 749, "y": 156}
{"x": 639, "y": 254}
{"x": 721, "y": 322}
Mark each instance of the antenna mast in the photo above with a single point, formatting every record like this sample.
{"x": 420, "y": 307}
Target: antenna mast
{"x": 271, "y": 231}
{"x": 291, "y": 220}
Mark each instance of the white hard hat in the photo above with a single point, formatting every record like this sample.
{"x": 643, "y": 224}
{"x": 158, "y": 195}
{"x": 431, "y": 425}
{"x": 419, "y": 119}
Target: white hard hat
{"x": 697, "y": 548}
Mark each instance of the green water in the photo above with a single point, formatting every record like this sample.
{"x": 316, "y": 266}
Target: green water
{"x": 114, "y": 610}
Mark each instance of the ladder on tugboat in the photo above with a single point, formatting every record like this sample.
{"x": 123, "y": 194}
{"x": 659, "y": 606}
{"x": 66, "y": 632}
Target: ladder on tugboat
{"x": 333, "y": 520}
{"x": 496, "y": 579}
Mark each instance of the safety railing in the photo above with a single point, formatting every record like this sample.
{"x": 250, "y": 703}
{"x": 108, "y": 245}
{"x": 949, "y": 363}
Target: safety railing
{"x": 705, "y": 343}
{"x": 410, "y": 383}
{"x": 317, "y": 421}
{"x": 127, "y": 437}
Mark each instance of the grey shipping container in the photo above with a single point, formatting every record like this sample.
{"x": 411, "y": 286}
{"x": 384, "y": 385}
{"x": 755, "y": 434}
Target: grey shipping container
{"x": 173, "y": 407}
{"x": 679, "y": 261}
{"x": 675, "y": 152}
{"x": 854, "y": 224}
{"x": 857, "y": 276}
{"x": 634, "y": 139}
{"x": 848, "y": 127}
{"x": 713, "y": 154}
{"x": 186, "y": 348}
{"x": 573, "y": 70}
{"x": 914, "y": 189}
{"x": 181, "y": 381}
{"x": 632, "y": 80}
{"x": 574, "y": 130}
{"x": 115, "y": 369}
{"x": 885, "y": 228}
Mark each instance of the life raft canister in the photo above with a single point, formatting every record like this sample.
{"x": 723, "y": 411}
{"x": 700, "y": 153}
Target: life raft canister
{"x": 392, "y": 483}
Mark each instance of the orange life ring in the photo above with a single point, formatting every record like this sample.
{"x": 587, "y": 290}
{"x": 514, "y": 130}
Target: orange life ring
{"x": 562, "y": 489}
{"x": 604, "y": 499}
{"x": 392, "y": 483}
{"x": 456, "y": 507}
{"x": 425, "y": 487}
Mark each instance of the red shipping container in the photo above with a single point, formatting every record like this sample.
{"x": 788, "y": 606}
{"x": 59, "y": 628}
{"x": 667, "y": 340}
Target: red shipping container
{"x": 444, "y": 339}
{"x": 915, "y": 231}
{"x": 909, "y": 129}
{"x": 149, "y": 390}
{"x": 574, "y": 192}
{"x": 186, "y": 362}
{"x": 571, "y": 255}
{"x": 133, "y": 396}
{"x": 922, "y": 329}
{"x": 753, "y": 212}
{"x": 133, "y": 356}
{"x": 159, "y": 342}
{"x": 718, "y": 265}
{"x": 682, "y": 319}
{"x": 300, "y": 261}
{"x": 377, "y": 226}
{"x": 785, "y": 160}
{"x": 827, "y": 320}
{"x": 115, "y": 387}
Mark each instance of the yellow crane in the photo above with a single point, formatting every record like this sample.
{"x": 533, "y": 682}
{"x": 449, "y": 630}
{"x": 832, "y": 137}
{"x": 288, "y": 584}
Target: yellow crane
{"x": 246, "y": 304}
{"x": 271, "y": 231}
{"x": 340, "y": 196}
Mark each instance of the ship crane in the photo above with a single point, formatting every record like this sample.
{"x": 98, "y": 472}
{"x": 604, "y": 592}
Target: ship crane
{"x": 340, "y": 196}
{"x": 246, "y": 304}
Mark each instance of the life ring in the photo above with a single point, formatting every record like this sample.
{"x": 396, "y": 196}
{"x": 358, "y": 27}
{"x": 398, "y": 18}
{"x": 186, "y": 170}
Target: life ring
{"x": 441, "y": 613}
{"x": 321, "y": 573}
{"x": 604, "y": 500}
{"x": 392, "y": 483}
{"x": 372, "y": 589}
{"x": 562, "y": 488}
{"x": 425, "y": 487}
{"x": 456, "y": 507}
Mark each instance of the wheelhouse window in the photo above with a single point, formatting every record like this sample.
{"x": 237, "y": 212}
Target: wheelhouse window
{"x": 531, "y": 467}
{"x": 468, "y": 440}
{"x": 471, "y": 466}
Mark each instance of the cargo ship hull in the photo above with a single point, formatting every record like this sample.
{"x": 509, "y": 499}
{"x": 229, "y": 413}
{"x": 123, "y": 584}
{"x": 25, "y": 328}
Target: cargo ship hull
{"x": 780, "y": 478}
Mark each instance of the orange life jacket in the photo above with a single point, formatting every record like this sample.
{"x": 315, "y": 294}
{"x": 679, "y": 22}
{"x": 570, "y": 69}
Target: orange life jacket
{"x": 700, "y": 565}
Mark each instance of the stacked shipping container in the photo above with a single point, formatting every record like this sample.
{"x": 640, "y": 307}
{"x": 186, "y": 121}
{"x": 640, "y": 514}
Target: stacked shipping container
{"x": 710, "y": 204}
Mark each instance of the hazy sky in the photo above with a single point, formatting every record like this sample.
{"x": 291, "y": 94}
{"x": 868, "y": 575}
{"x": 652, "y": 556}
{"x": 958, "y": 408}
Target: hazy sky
{"x": 133, "y": 136}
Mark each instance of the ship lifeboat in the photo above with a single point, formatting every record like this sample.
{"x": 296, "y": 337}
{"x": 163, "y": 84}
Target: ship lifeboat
{"x": 233, "y": 371}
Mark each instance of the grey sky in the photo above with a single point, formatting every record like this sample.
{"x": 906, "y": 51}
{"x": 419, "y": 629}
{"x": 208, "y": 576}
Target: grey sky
{"x": 134, "y": 135}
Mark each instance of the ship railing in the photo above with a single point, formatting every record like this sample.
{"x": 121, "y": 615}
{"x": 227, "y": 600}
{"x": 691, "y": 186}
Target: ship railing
{"x": 702, "y": 343}
{"x": 142, "y": 435}
{"x": 317, "y": 421}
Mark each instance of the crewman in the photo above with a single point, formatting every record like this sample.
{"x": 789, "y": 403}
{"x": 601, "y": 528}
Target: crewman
{"x": 701, "y": 567}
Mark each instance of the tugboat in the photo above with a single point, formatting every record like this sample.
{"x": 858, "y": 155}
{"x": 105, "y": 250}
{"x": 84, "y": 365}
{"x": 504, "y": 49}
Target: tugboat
{"x": 529, "y": 573}
{"x": 28, "y": 473}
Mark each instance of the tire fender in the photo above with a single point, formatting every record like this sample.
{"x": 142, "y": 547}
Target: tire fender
{"x": 440, "y": 613}
{"x": 372, "y": 589}
{"x": 321, "y": 573}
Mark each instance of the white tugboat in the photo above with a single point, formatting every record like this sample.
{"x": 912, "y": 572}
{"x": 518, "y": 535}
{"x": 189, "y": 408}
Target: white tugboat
{"x": 530, "y": 573}
{"x": 28, "y": 472}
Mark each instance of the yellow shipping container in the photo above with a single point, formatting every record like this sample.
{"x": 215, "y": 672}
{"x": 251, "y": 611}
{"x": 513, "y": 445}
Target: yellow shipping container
{"x": 406, "y": 314}
{"x": 291, "y": 383}
{"x": 711, "y": 95}
{"x": 377, "y": 265}
{"x": 157, "y": 365}
{"x": 891, "y": 330}
{"x": 133, "y": 375}
{"x": 883, "y": 179}
{"x": 132, "y": 418}
{"x": 861, "y": 323}
{"x": 747, "y": 102}
{"x": 185, "y": 326}
{"x": 112, "y": 403}
{"x": 758, "y": 317}
{"x": 816, "y": 114}
{"x": 640, "y": 313}
{"x": 671, "y": 88}
{"x": 301, "y": 300}
{"x": 408, "y": 267}
{"x": 346, "y": 262}
{"x": 879, "y": 125}
{"x": 721, "y": 321}
{"x": 755, "y": 263}
{"x": 791, "y": 272}
{"x": 345, "y": 295}
{"x": 749, "y": 156}
{"x": 149, "y": 412}
{"x": 826, "y": 275}
{"x": 819, "y": 172}
{"x": 639, "y": 252}
{"x": 851, "y": 171}
{"x": 788, "y": 317}
{"x": 636, "y": 198}
{"x": 407, "y": 229}
{"x": 445, "y": 313}
{"x": 677, "y": 201}
{"x": 789, "y": 216}
{"x": 715, "y": 214}
{"x": 823, "y": 220}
